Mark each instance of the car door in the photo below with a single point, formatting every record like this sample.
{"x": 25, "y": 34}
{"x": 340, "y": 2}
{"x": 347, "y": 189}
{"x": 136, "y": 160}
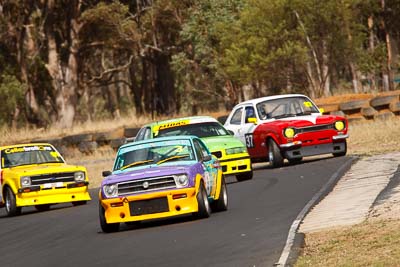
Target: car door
{"x": 248, "y": 126}
{"x": 210, "y": 173}
{"x": 233, "y": 123}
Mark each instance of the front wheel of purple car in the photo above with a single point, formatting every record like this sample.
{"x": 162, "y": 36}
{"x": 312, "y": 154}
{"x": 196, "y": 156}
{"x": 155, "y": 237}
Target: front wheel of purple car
{"x": 203, "y": 204}
{"x": 343, "y": 153}
{"x": 221, "y": 204}
{"x": 106, "y": 227}
{"x": 274, "y": 154}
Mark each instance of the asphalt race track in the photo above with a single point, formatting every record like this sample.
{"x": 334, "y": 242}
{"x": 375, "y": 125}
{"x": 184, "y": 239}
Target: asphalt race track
{"x": 252, "y": 232}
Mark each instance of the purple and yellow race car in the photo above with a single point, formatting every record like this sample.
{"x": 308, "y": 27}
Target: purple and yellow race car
{"x": 161, "y": 178}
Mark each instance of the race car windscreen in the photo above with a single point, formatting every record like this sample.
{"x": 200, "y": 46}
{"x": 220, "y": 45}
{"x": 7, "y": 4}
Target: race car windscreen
{"x": 154, "y": 153}
{"x": 285, "y": 107}
{"x": 27, "y": 155}
{"x": 205, "y": 129}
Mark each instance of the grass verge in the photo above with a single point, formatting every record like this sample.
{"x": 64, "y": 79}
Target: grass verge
{"x": 372, "y": 243}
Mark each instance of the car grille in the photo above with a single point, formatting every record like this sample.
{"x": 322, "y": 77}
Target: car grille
{"x": 218, "y": 154}
{"x": 52, "y": 178}
{"x": 145, "y": 185}
{"x": 314, "y": 128}
{"x": 148, "y": 206}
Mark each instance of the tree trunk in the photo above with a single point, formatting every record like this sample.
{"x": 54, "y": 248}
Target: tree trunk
{"x": 165, "y": 100}
{"x": 136, "y": 90}
{"x": 64, "y": 74}
{"x": 371, "y": 75}
{"x": 326, "y": 81}
{"x": 25, "y": 48}
{"x": 388, "y": 77}
{"x": 355, "y": 80}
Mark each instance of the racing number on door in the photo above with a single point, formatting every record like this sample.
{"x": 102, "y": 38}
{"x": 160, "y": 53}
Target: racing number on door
{"x": 249, "y": 140}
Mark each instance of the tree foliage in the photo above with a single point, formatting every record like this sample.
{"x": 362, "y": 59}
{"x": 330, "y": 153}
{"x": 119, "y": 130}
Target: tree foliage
{"x": 63, "y": 61}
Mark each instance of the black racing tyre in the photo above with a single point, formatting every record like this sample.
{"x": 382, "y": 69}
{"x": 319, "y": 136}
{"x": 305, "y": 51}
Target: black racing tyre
{"x": 341, "y": 154}
{"x": 221, "y": 204}
{"x": 274, "y": 154}
{"x": 203, "y": 204}
{"x": 244, "y": 176}
{"x": 106, "y": 227}
{"x": 295, "y": 160}
{"x": 42, "y": 207}
{"x": 11, "y": 203}
{"x": 79, "y": 203}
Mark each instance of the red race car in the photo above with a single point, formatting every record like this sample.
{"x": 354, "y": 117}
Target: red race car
{"x": 287, "y": 126}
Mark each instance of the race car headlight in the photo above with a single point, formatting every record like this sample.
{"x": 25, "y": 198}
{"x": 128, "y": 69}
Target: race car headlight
{"x": 25, "y": 181}
{"x": 339, "y": 125}
{"x": 289, "y": 132}
{"x": 181, "y": 180}
{"x": 110, "y": 190}
{"x": 235, "y": 150}
{"x": 79, "y": 176}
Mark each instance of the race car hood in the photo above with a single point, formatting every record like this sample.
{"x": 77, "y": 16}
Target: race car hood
{"x": 215, "y": 143}
{"x": 37, "y": 169}
{"x": 148, "y": 172}
{"x": 304, "y": 121}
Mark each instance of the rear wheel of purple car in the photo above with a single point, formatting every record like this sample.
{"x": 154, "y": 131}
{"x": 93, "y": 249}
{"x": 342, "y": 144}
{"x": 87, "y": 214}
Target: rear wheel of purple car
{"x": 106, "y": 227}
{"x": 274, "y": 154}
{"x": 221, "y": 204}
{"x": 202, "y": 201}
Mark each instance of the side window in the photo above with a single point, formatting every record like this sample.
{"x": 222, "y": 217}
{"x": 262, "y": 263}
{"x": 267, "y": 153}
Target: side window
{"x": 140, "y": 134}
{"x": 249, "y": 111}
{"x": 147, "y": 133}
{"x": 143, "y": 134}
{"x": 237, "y": 117}
{"x": 201, "y": 151}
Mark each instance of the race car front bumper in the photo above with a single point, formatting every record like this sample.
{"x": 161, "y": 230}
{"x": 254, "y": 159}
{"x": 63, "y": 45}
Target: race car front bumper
{"x": 236, "y": 165}
{"x": 37, "y": 195}
{"x": 150, "y": 206}
{"x": 299, "y": 150}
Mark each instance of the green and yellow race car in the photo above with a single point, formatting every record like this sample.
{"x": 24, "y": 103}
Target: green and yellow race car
{"x": 230, "y": 151}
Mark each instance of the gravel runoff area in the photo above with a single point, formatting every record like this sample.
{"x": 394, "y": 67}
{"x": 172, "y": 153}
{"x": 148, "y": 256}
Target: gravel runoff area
{"x": 369, "y": 190}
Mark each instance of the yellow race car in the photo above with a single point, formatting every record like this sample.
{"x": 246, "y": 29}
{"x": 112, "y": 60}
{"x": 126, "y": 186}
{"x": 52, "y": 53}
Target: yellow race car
{"x": 37, "y": 175}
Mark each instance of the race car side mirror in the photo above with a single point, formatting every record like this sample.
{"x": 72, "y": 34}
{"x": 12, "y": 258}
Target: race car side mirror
{"x": 106, "y": 173}
{"x": 321, "y": 110}
{"x": 207, "y": 158}
{"x": 252, "y": 120}
{"x": 231, "y": 132}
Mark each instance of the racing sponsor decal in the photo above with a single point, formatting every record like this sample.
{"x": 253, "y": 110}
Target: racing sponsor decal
{"x": 27, "y": 149}
{"x": 308, "y": 104}
{"x": 249, "y": 140}
{"x": 169, "y": 125}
